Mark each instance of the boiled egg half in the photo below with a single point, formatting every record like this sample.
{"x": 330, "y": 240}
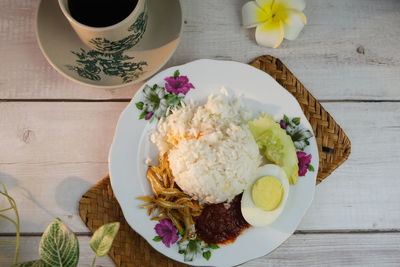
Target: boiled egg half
{"x": 265, "y": 196}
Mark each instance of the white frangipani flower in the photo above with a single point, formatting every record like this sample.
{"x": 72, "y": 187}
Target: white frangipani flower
{"x": 274, "y": 19}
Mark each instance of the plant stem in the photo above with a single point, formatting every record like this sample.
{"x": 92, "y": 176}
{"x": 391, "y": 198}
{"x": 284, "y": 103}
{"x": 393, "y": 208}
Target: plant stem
{"x": 8, "y": 219}
{"x": 94, "y": 261}
{"x": 16, "y": 223}
{"x": 17, "y": 236}
{"x": 3, "y": 210}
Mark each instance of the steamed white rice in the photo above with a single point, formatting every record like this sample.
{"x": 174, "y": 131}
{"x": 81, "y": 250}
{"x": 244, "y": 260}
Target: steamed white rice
{"x": 211, "y": 151}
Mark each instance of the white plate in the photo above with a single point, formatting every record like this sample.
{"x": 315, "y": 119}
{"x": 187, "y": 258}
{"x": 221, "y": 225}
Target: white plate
{"x": 70, "y": 57}
{"x": 131, "y": 147}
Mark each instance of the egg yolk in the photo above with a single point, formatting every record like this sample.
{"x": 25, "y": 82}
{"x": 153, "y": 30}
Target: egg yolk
{"x": 267, "y": 193}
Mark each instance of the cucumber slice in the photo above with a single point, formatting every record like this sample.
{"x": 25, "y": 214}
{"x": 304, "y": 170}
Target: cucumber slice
{"x": 276, "y": 145}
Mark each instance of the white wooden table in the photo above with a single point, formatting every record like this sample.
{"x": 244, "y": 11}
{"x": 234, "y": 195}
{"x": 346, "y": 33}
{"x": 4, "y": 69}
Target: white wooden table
{"x": 55, "y": 134}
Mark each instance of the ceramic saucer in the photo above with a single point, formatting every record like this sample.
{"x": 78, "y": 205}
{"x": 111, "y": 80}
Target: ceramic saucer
{"x": 69, "y": 56}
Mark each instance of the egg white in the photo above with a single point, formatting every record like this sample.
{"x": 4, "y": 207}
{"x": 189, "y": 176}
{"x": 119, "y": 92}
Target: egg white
{"x": 251, "y": 213}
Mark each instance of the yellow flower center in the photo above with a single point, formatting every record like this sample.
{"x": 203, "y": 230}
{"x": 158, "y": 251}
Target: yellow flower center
{"x": 272, "y": 11}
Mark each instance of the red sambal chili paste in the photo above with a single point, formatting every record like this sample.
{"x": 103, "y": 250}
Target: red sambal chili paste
{"x": 218, "y": 224}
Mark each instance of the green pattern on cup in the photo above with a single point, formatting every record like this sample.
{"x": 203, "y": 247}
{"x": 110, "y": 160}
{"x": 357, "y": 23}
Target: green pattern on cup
{"x": 112, "y": 61}
{"x": 138, "y": 28}
{"x": 91, "y": 64}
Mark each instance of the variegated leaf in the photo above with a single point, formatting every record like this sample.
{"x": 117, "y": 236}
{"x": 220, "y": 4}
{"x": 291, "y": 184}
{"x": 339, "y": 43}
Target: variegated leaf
{"x": 103, "y": 238}
{"x": 59, "y": 246}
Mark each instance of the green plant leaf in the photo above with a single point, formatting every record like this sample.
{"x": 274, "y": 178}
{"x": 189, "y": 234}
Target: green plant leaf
{"x": 139, "y": 105}
{"x": 176, "y": 73}
{"x": 59, "y": 246}
{"x": 207, "y": 255}
{"x": 36, "y": 263}
{"x": 157, "y": 238}
{"x": 103, "y": 238}
{"x": 310, "y": 167}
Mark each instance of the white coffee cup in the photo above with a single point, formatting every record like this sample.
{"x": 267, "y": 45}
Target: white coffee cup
{"x": 115, "y": 38}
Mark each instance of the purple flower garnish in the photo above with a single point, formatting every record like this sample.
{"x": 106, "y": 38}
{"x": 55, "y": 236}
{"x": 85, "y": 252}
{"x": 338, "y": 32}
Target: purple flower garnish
{"x": 178, "y": 85}
{"x": 283, "y": 124}
{"x": 167, "y": 231}
{"x": 304, "y": 161}
{"x": 148, "y": 116}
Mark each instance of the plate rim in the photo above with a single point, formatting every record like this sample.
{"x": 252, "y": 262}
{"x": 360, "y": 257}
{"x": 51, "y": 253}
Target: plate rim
{"x": 141, "y": 79}
{"x": 131, "y": 103}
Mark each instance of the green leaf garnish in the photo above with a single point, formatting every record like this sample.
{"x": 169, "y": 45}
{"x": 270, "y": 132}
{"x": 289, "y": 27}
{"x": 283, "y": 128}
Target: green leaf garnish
{"x": 181, "y": 233}
{"x": 296, "y": 120}
{"x": 213, "y": 246}
{"x": 181, "y": 251}
{"x": 207, "y": 255}
{"x": 176, "y": 73}
{"x": 139, "y": 105}
{"x": 103, "y": 238}
{"x": 59, "y": 246}
{"x": 310, "y": 168}
{"x": 157, "y": 238}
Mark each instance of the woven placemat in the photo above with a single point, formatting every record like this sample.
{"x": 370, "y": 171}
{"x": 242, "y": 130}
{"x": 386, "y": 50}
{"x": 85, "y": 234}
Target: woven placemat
{"x": 99, "y": 206}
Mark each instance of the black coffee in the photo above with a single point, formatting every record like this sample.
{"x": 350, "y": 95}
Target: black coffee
{"x": 100, "y": 13}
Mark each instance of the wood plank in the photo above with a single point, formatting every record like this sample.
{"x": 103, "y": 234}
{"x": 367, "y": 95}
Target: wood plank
{"x": 56, "y": 151}
{"x": 29, "y": 251}
{"x": 334, "y": 250}
{"x": 324, "y": 56}
{"x": 361, "y": 192}
{"x": 299, "y": 250}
